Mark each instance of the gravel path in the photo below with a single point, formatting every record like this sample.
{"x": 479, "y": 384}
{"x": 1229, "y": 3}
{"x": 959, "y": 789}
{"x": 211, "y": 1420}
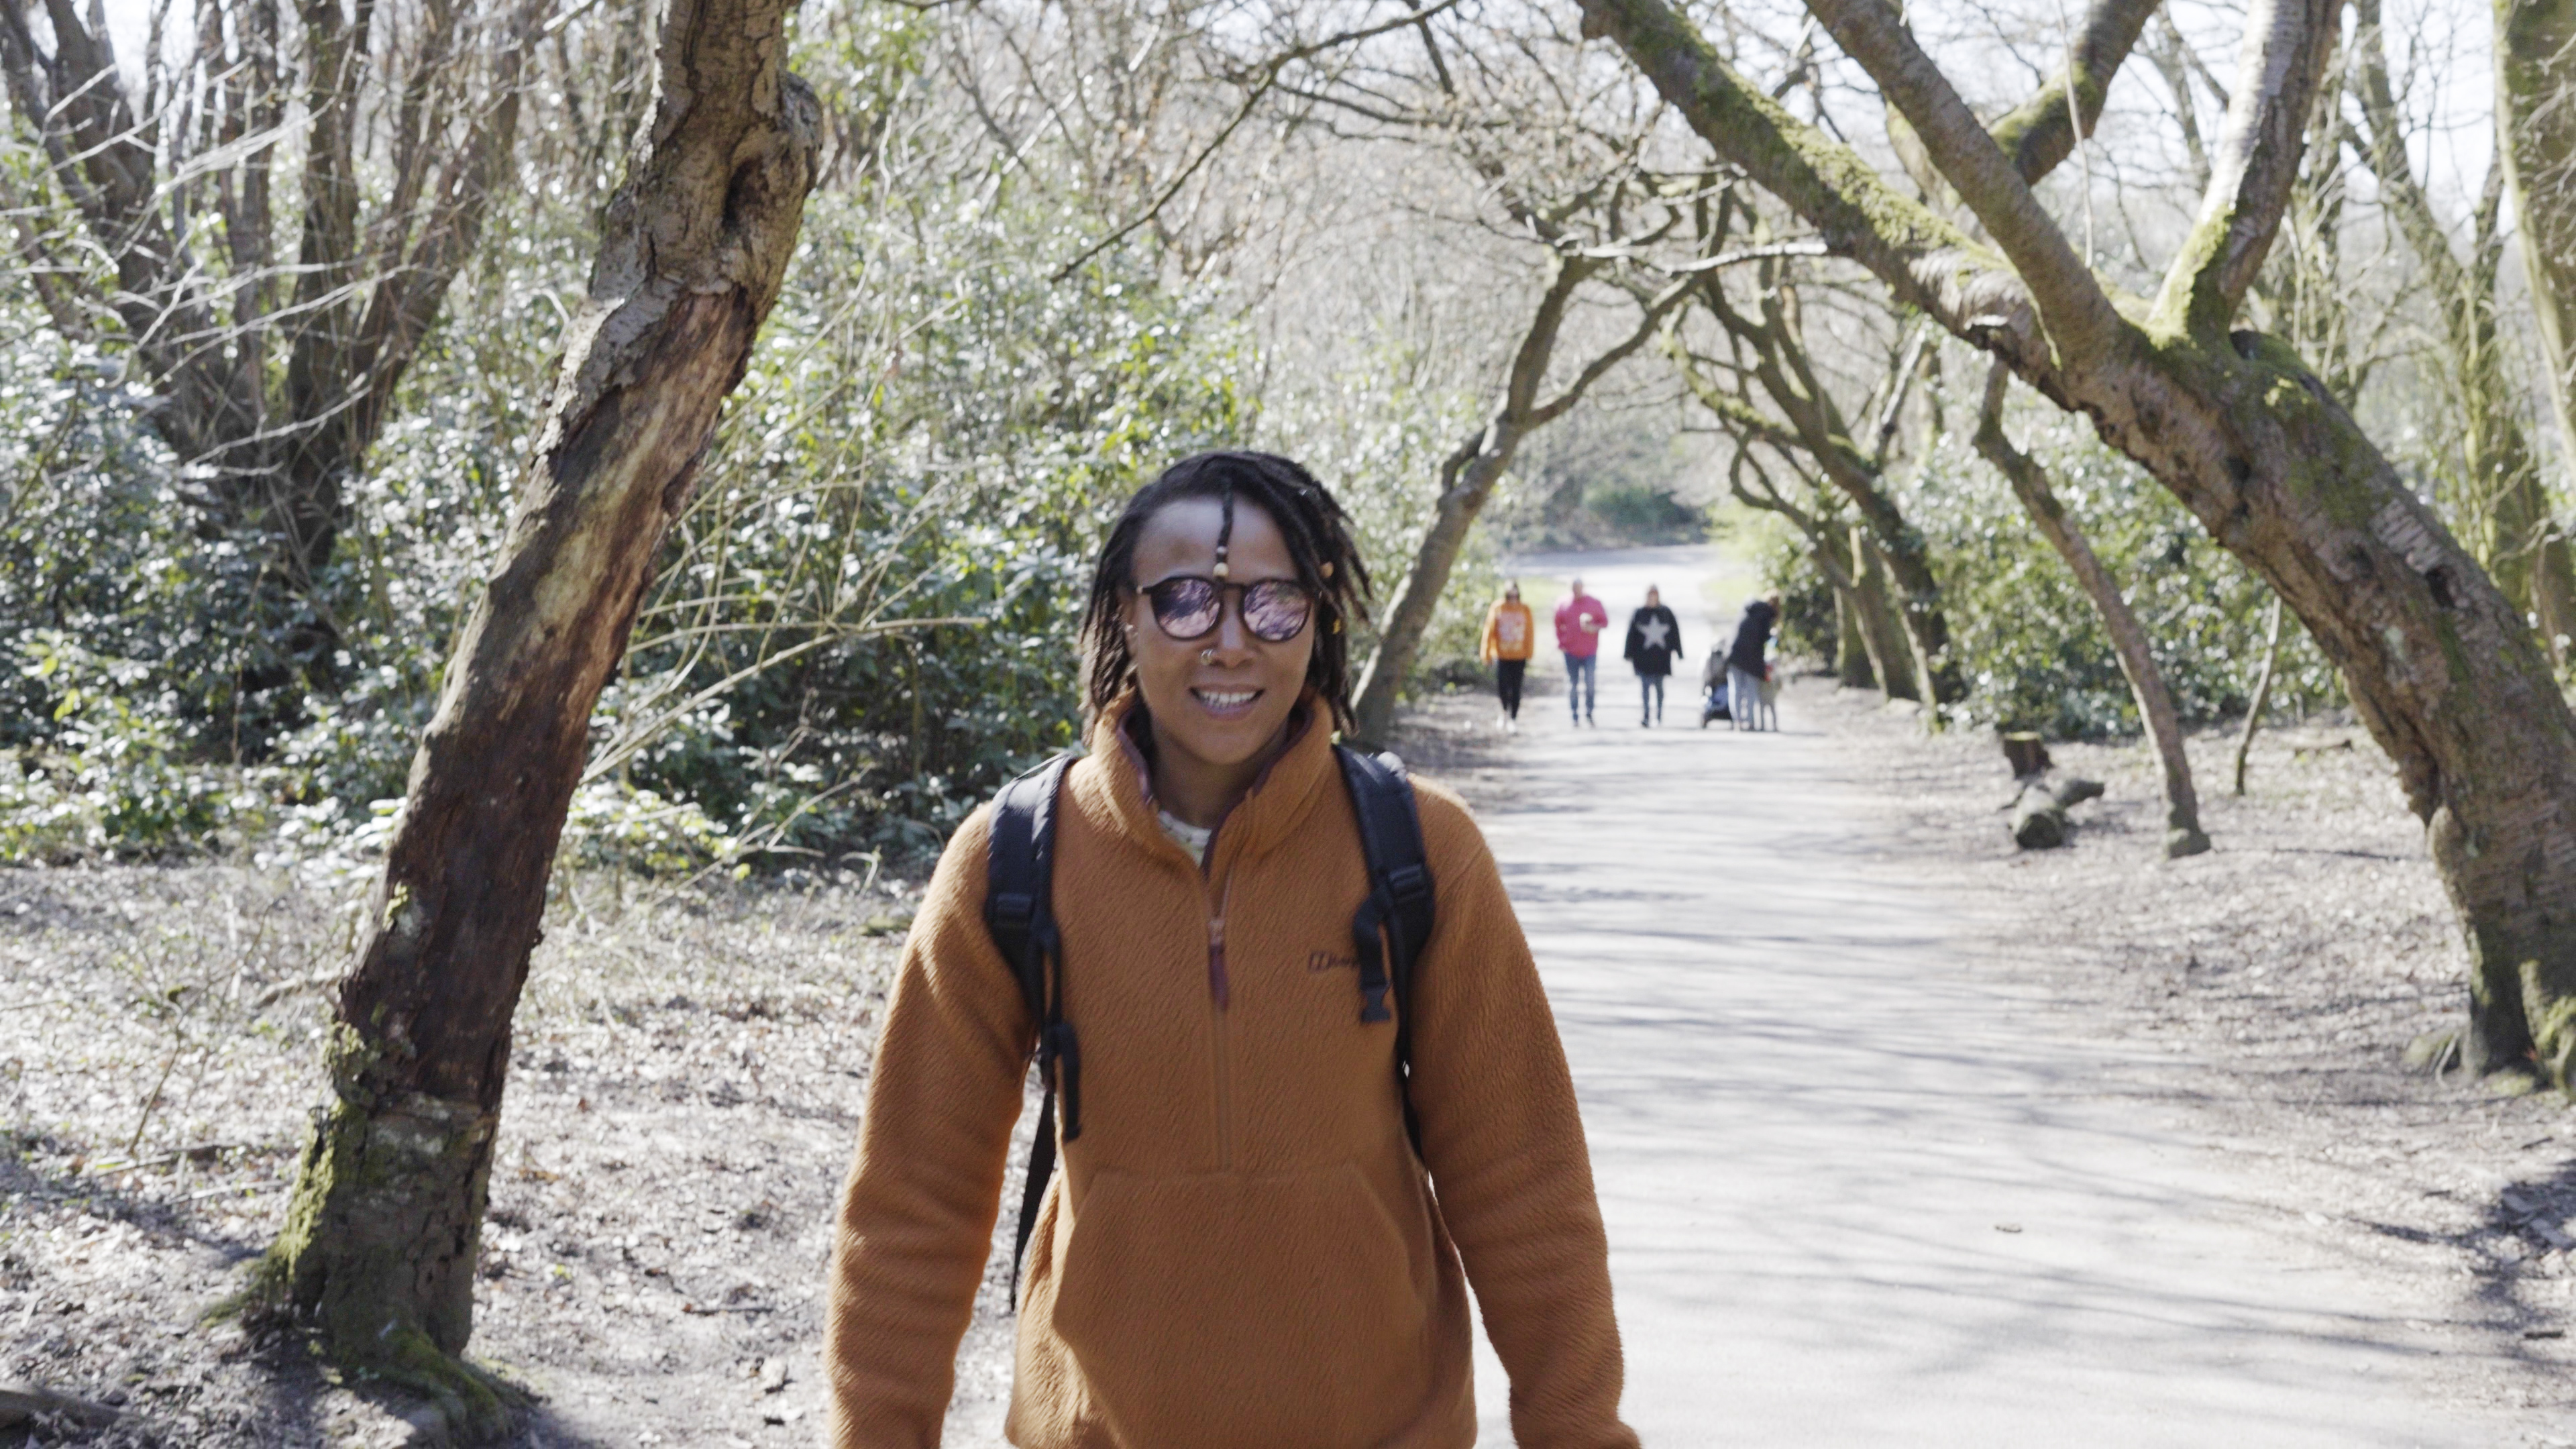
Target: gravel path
{"x": 1863, "y": 1188}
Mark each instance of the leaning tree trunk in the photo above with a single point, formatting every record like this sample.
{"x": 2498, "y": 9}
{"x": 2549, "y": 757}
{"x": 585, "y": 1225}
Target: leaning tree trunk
{"x": 377, "y": 1255}
{"x": 2128, "y": 637}
{"x": 1852, "y": 669}
{"x": 2536, "y": 89}
{"x": 2442, "y": 668}
{"x": 1890, "y": 643}
{"x": 1467, "y": 482}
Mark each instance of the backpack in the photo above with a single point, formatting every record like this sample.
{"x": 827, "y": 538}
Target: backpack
{"x": 1019, "y": 912}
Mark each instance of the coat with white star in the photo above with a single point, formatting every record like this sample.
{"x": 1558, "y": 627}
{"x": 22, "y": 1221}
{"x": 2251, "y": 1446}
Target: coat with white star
{"x": 1654, "y": 637}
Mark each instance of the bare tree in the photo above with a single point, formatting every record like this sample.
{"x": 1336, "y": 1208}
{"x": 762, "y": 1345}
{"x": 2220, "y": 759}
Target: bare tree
{"x": 1469, "y": 473}
{"x": 2030, "y": 484}
{"x": 2536, "y": 121}
{"x": 2502, "y": 501}
{"x": 1797, "y": 417}
{"x": 275, "y": 336}
{"x": 2440, "y": 664}
{"x": 379, "y": 1246}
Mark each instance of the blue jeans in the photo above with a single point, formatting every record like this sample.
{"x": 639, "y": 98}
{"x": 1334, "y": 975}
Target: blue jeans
{"x": 1744, "y": 697}
{"x": 1579, "y": 679}
{"x": 1651, "y": 689}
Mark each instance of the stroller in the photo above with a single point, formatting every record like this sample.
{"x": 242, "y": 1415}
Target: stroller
{"x": 1715, "y": 704}
{"x": 1712, "y": 684}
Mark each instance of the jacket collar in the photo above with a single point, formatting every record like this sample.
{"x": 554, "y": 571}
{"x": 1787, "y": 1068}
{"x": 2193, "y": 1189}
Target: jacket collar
{"x": 1115, "y": 789}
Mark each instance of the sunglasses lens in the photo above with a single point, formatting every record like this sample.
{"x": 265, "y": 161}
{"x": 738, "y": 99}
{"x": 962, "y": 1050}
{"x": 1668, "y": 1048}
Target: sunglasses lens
{"x": 1185, "y": 608}
{"x": 1276, "y": 610}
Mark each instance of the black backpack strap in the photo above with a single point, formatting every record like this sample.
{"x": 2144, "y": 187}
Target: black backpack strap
{"x": 1392, "y": 926}
{"x": 1019, "y": 910}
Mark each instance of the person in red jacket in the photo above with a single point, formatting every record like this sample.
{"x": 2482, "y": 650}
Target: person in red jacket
{"x": 1579, "y": 622}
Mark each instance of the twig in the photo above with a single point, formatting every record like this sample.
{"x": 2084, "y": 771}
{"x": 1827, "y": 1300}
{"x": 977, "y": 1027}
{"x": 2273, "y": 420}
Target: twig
{"x": 154, "y": 1104}
{"x": 246, "y": 1188}
{"x": 165, "y": 1158}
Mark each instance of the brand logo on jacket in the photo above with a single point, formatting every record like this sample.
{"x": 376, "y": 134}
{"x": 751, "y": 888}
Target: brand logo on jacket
{"x": 1327, "y": 961}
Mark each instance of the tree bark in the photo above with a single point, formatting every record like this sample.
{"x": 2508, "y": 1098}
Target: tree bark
{"x": 2441, "y": 666}
{"x": 1852, "y": 668}
{"x": 378, "y": 1251}
{"x": 1467, "y": 483}
{"x": 1890, "y": 644}
{"x": 2183, "y": 835}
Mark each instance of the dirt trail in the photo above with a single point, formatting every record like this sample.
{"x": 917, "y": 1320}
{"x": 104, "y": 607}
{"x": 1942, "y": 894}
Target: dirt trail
{"x": 1861, "y": 1190}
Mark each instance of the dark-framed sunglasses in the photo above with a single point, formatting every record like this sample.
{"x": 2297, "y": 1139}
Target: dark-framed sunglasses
{"x": 1188, "y": 607}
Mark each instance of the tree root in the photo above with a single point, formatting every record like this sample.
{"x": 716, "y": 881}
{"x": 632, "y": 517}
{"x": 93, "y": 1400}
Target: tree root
{"x": 2436, "y": 1053}
{"x": 472, "y": 1404}
{"x": 477, "y": 1404}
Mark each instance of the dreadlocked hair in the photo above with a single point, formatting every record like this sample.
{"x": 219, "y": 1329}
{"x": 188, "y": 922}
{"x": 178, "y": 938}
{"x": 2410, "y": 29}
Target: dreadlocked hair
{"x": 1319, "y": 540}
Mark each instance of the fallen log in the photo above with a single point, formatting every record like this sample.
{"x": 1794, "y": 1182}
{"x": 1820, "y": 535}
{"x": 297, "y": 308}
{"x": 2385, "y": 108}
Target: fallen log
{"x": 2039, "y": 819}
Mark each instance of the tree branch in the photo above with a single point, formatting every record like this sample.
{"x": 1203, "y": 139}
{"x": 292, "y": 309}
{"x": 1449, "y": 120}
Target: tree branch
{"x": 2255, "y": 166}
{"x": 1651, "y": 317}
{"x": 2078, "y": 315}
{"x": 2039, "y": 133}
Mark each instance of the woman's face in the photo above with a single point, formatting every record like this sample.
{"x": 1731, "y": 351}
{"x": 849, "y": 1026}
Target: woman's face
{"x": 1222, "y": 699}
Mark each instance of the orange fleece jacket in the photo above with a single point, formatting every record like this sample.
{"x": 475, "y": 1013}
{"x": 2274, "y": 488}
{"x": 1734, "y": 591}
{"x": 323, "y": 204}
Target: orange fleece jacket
{"x": 1241, "y": 1249}
{"x": 1510, "y": 632}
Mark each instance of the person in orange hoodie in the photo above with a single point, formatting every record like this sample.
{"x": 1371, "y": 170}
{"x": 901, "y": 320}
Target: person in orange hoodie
{"x": 1511, "y": 636}
{"x": 1244, "y": 1248}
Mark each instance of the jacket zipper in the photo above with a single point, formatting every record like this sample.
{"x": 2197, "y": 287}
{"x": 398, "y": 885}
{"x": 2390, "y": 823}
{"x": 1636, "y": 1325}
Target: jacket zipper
{"x": 1217, "y": 1000}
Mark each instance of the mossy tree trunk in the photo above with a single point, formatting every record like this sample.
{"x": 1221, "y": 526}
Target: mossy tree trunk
{"x": 1891, "y": 647}
{"x": 2441, "y": 666}
{"x": 378, "y": 1252}
{"x": 2183, "y": 835}
{"x": 2536, "y": 90}
{"x": 1852, "y": 667}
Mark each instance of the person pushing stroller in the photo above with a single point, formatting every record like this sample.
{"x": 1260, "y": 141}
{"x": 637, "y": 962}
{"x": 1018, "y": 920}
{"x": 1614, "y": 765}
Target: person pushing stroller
{"x": 1735, "y": 675}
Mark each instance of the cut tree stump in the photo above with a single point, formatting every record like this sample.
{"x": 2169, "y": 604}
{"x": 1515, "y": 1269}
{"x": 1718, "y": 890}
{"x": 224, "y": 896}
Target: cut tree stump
{"x": 2039, "y": 812}
{"x": 2026, "y": 754}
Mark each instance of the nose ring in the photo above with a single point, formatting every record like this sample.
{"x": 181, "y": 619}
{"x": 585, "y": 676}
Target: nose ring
{"x": 1207, "y": 656}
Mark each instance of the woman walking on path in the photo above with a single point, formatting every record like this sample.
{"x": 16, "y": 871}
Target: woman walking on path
{"x": 1245, "y": 1246}
{"x": 1511, "y": 636}
{"x": 1746, "y": 662}
{"x": 1654, "y": 637}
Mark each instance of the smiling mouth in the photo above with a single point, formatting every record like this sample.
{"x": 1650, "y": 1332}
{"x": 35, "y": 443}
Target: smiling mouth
{"x": 1225, "y": 702}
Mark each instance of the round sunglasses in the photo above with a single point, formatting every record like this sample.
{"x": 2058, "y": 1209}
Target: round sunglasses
{"x": 1188, "y": 607}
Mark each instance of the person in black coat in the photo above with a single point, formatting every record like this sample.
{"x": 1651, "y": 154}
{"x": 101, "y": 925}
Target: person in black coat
{"x": 1746, "y": 664}
{"x": 1654, "y": 638}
